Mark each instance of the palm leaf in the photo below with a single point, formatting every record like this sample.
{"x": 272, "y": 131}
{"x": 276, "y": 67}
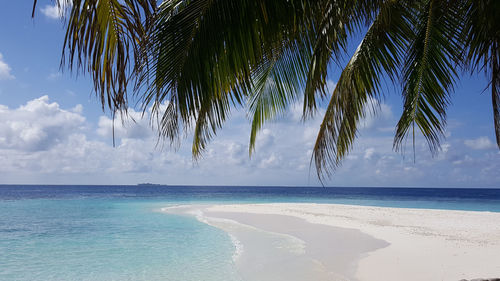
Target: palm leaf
{"x": 330, "y": 42}
{"x": 482, "y": 36}
{"x": 337, "y": 20}
{"x": 104, "y": 38}
{"x": 429, "y": 73}
{"x": 277, "y": 83}
{"x": 194, "y": 60}
{"x": 378, "y": 53}
{"x": 207, "y": 58}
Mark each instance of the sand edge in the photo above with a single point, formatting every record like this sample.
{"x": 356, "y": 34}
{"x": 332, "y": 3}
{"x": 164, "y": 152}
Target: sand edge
{"x": 424, "y": 244}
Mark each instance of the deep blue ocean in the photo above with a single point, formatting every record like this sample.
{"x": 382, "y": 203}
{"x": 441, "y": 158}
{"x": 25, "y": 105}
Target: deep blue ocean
{"x": 116, "y": 232}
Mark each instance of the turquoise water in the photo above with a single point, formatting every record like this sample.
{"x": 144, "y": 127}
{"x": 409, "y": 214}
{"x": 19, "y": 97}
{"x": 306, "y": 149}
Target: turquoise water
{"x": 103, "y": 239}
{"x": 117, "y": 233}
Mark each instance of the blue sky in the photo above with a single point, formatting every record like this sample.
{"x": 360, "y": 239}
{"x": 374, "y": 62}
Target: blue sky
{"x": 53, "y": 131}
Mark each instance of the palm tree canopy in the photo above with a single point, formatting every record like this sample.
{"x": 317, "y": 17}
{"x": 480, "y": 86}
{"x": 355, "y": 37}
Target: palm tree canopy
{"x": 193, "y": 61}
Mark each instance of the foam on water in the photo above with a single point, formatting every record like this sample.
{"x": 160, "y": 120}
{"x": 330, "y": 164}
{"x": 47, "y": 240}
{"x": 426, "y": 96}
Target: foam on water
{"x": 260, "y": 255}
{"x": 281, "y": 241}
{"x": 200, "y": 216}
{"x": 238, "y": 247}
{"x": 197, "y": 212}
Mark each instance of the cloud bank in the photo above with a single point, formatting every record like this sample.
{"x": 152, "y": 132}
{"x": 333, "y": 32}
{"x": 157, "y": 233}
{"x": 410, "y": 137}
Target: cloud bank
{"x": 41, "y": 142}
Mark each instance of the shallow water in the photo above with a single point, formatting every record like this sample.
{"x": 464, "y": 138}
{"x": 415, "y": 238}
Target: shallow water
{"x": 102, "y": 239}
{"x": 116, "y": 232}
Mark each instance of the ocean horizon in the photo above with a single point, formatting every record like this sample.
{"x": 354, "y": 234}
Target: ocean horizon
{"x": 82, "y": 232}
{"x": 447, "y": 198}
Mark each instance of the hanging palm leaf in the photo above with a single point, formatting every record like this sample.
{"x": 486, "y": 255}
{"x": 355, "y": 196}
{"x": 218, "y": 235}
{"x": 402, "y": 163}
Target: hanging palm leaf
{"x": 482, "y": 37}
{"x": 193, "y": 61}
{"x": 378, "y": 53}
{"x": 430, "y": 71}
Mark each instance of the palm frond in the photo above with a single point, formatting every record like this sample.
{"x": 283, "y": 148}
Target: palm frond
{"x": 277, "y": 83}
{"x": 104, "y": 38}
{"x": 378, "y": 53}
{"x": 482, "y": 37}
{"x": 495, "y": 90}
{"x": 337, "y": 20}
{"x": 206, "y": 54}
{"x": 34, "y": 8}
{"x": 193, "y": 61}
{"x": 429, "y": 73}
{"x": 330, "y": 42}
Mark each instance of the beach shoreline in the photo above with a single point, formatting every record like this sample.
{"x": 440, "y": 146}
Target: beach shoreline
{"x": 409, "y": 244}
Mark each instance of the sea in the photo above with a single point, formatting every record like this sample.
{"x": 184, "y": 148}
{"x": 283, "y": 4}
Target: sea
{"x": 72, "y": 232}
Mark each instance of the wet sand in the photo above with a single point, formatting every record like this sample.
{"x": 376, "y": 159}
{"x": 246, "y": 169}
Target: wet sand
{"x": 422, "y": 244}
{"x": 280, "y": 247}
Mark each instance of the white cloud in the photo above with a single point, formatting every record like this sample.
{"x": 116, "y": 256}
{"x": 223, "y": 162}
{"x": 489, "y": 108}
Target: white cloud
{"x": 264, "y": 140}
{"x": 53, "y": 11}
{"x": 369, "y": 153}
{"x": 270, "y": 162}
{"x": 132, "y": 126}
{"x": 77, "y": 109}
{"x": 54, "y": 75}
{"x": 330, "y": 85}
{"x": 480, "y": 143}
{"x": 37, "y": 125}
{"x": 41, "y": 140}
{"x": 296, "y": 111}
{"x": 5, "y": 70}
{"x": 377, "y": 114}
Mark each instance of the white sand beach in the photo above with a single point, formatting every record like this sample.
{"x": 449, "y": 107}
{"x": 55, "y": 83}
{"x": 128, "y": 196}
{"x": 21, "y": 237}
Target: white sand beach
{"x": 345, "y": 242}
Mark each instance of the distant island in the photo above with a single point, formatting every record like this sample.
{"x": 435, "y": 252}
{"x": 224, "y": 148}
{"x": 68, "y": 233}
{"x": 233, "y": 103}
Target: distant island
{"x": 148, "y": 184}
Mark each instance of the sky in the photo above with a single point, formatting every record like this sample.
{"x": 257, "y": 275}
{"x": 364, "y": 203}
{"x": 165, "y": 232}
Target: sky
{"x": 54, "y": 131}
